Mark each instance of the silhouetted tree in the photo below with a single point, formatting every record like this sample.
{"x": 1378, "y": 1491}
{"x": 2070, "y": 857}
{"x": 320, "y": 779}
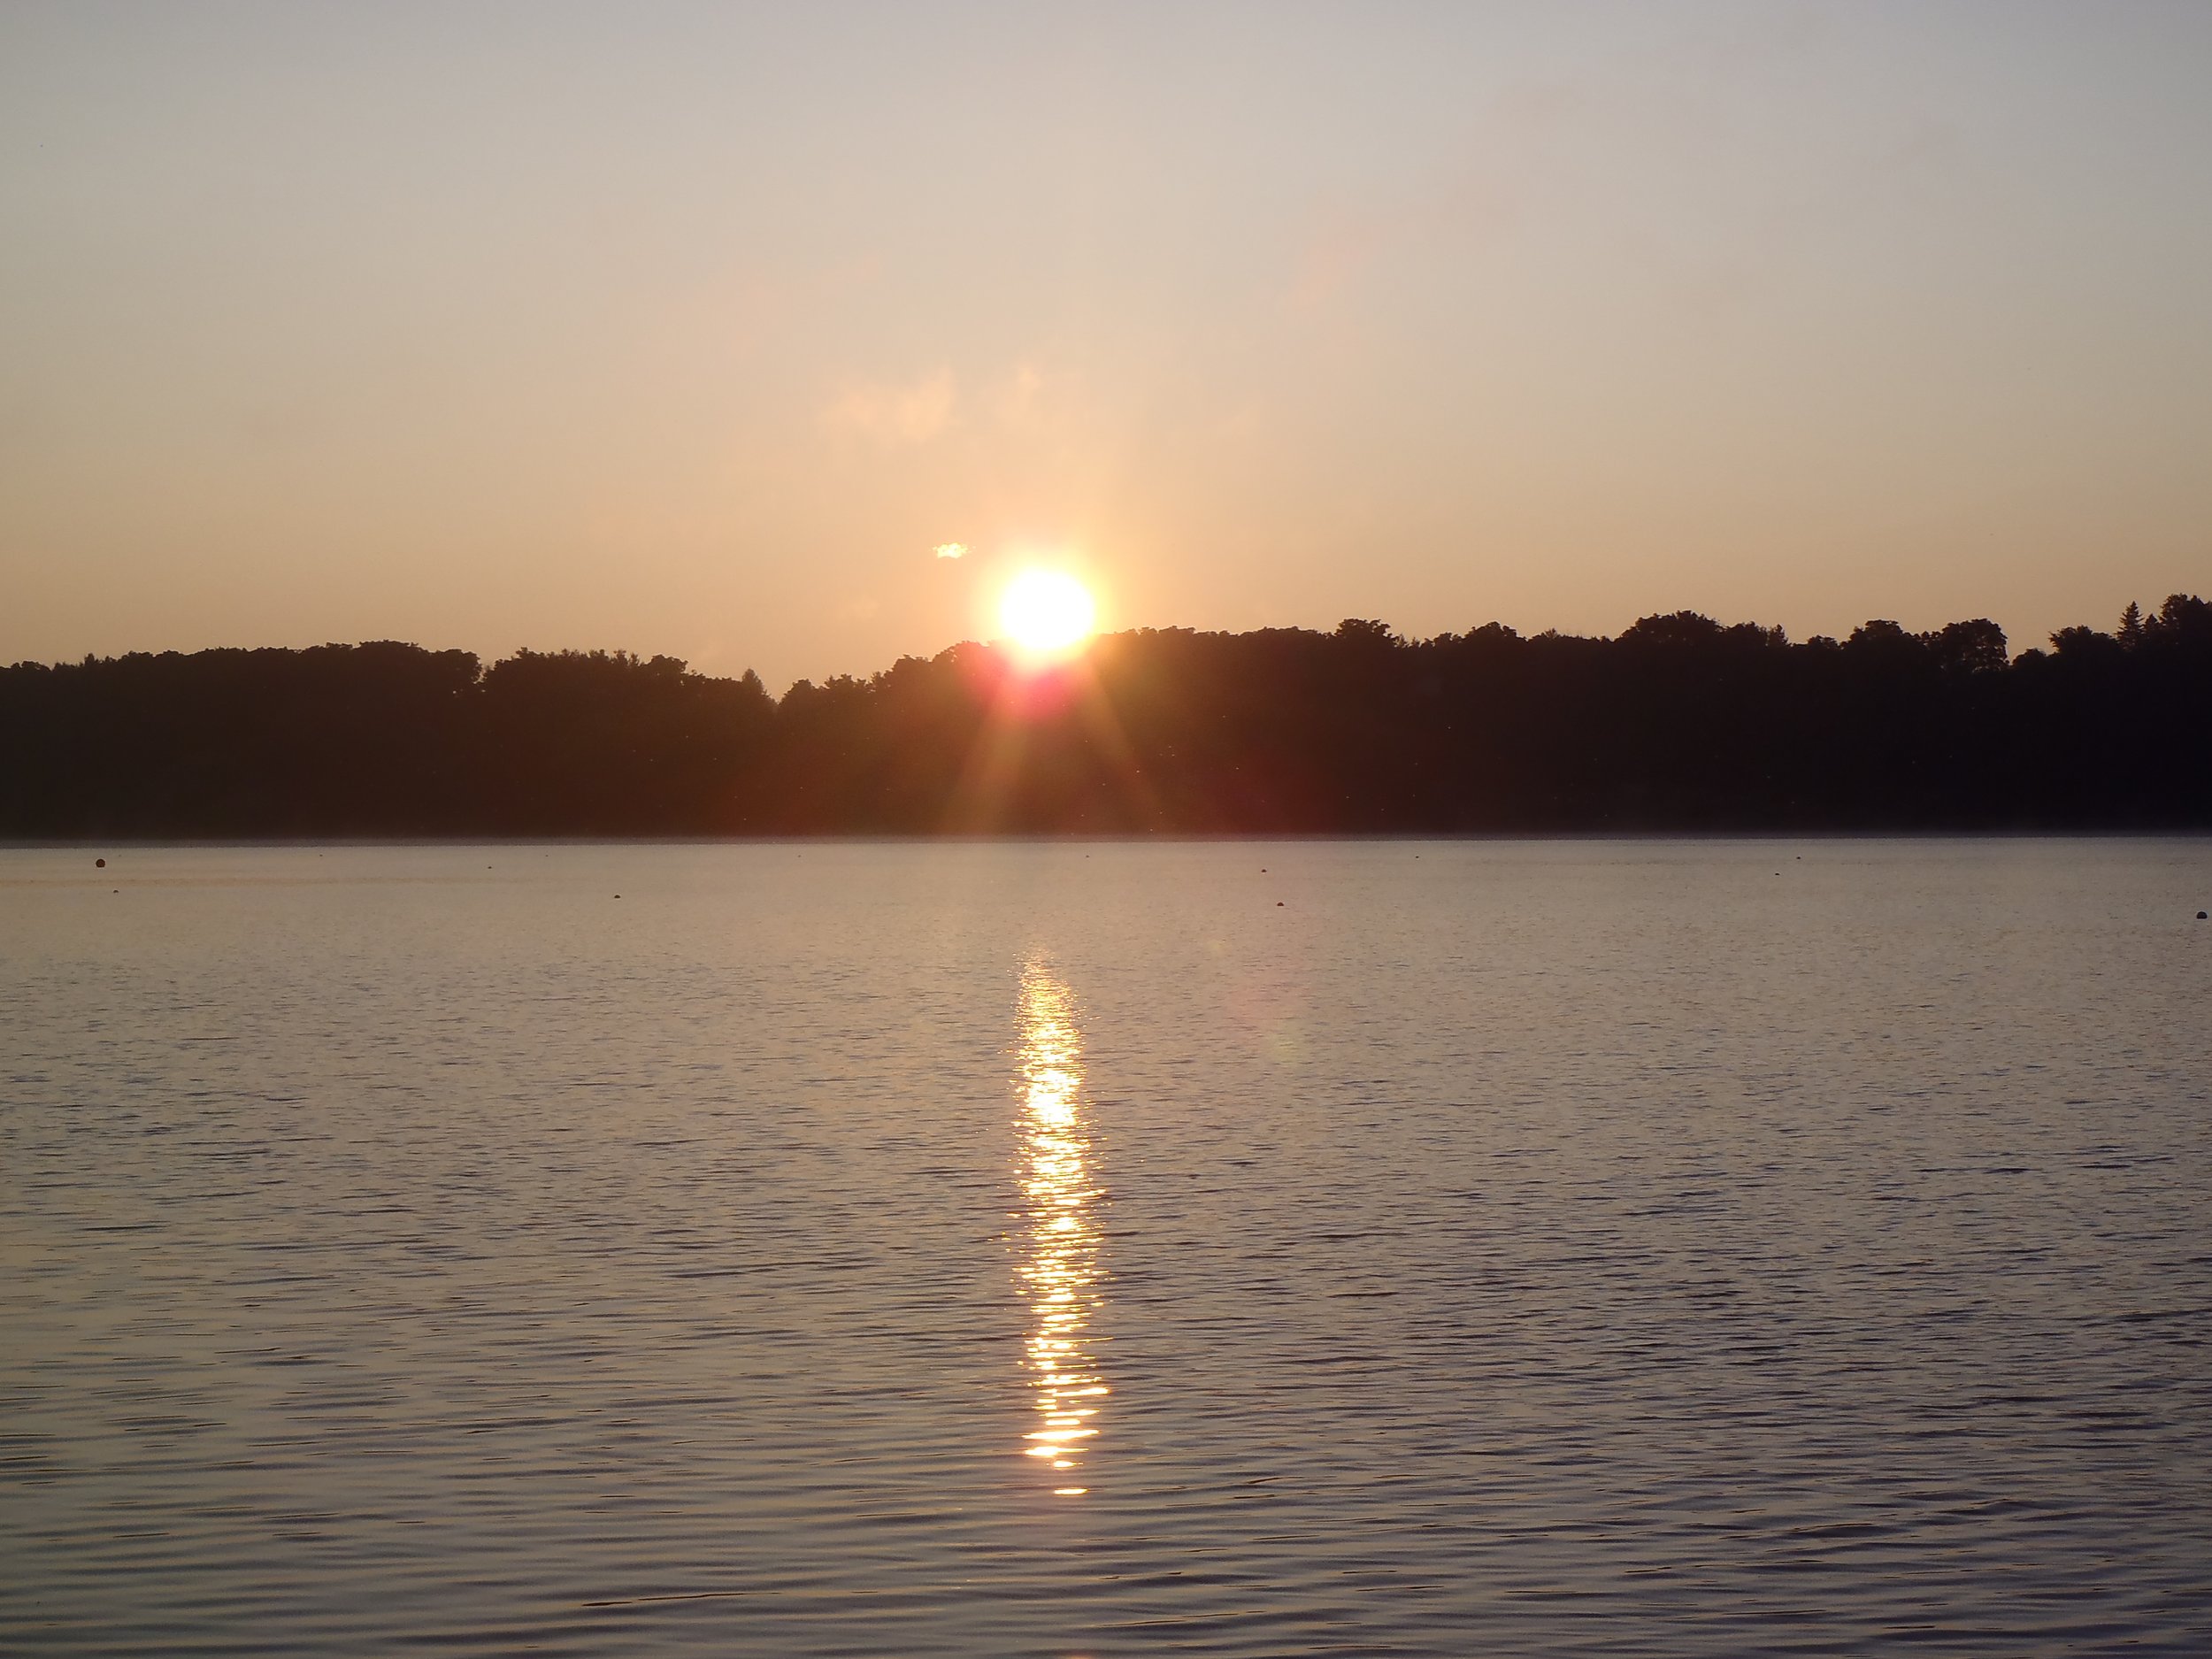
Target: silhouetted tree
{"x": 1681, "y": 723}
{"x": 1967, "y": 647}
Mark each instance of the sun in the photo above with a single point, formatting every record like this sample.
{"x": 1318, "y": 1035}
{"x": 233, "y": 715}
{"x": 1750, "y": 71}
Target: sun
{"x": 1046, "y": 613}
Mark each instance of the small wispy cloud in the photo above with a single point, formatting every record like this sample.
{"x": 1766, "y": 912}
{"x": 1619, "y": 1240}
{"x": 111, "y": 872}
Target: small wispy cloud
{"x": 892, "y": 412}
{"x": 951, "y": 550}
{"x": 1014, "y": 398}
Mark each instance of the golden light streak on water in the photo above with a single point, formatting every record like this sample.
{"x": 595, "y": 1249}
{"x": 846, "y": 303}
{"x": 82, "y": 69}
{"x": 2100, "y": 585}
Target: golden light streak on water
{"x": 1060, "y": 1268}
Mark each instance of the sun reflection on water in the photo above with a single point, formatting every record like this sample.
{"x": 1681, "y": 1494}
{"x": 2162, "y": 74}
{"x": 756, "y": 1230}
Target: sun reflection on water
{"x": 1060, "y": 1267}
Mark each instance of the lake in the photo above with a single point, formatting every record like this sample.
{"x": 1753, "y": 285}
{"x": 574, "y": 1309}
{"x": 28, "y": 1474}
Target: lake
{"x": 1576, "y": 1248}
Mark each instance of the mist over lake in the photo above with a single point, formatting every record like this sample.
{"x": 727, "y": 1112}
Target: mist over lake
{"x": 1578, "y": 1247}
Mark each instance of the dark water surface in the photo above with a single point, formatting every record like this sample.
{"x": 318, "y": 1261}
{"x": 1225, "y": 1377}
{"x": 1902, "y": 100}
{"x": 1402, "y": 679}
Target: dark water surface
{"x": 1584, "y": 1247}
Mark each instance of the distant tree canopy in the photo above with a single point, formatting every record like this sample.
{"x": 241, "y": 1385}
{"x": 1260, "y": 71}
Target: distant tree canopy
{"x": 1681, "y": 723}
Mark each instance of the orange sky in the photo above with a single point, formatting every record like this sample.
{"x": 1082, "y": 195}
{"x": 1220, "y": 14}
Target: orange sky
{"x": 678, "y": 329}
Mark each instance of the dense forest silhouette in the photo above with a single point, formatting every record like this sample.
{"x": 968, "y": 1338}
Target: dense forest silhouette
{"x": 1680, "y": 724}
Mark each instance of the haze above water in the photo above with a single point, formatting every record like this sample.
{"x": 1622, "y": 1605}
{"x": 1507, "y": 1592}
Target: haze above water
{"x": 1574, "y": 1248}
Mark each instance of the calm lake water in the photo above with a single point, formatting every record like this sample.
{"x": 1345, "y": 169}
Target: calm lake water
{"x": 1691, "y": 1248}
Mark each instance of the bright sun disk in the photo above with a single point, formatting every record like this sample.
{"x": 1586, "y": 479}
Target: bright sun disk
{"x": 1046, "y": 613}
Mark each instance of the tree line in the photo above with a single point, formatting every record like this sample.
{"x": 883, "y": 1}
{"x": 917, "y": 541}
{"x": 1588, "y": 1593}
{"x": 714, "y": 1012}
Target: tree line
{"x": 1680, "y": 722}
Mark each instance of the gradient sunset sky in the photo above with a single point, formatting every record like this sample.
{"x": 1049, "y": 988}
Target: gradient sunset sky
{"x": 696, "y": 329}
